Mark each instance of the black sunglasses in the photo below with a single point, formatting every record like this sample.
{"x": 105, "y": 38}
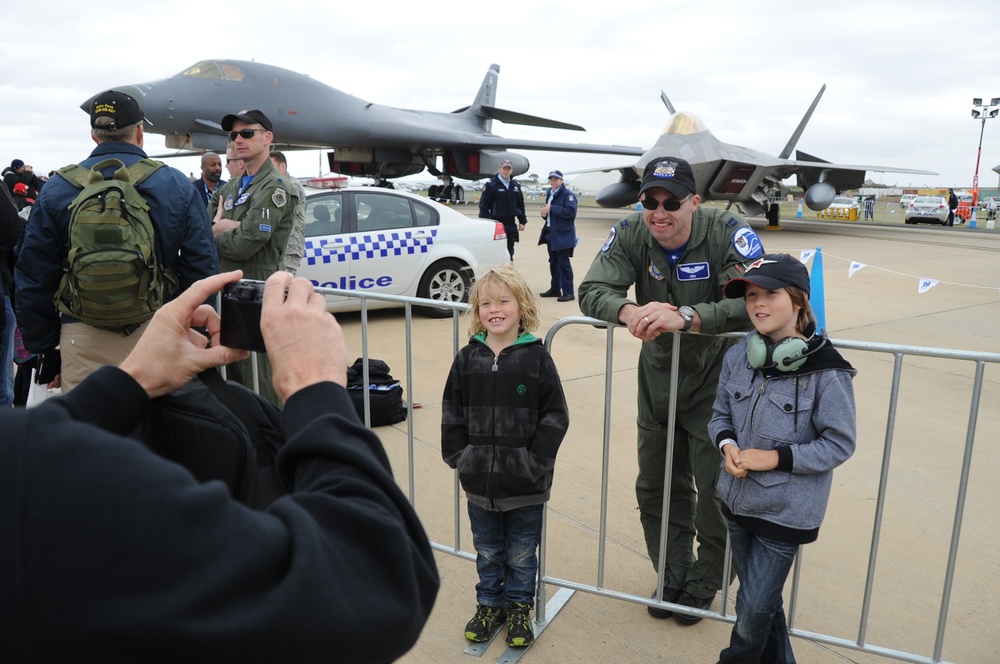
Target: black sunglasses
{"x": 245, "y": 133}
{"x": 670, "y": 205}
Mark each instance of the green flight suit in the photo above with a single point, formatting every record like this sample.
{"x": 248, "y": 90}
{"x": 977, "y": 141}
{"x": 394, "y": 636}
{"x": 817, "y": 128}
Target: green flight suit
{"x": 266, "y": 210}
{"x": 719, "y": 242}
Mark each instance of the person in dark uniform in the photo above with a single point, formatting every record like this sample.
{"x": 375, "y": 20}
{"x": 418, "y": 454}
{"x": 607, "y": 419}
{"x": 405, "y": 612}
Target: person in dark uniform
{"x": 503, "y": 201}
{"x": 952, "y": 206}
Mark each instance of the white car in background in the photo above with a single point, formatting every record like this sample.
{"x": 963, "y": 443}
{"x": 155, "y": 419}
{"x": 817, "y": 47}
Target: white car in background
{"x": 931, "y": 209}
{"x": 905, "y": 200}
{"x": 385, "y": 241}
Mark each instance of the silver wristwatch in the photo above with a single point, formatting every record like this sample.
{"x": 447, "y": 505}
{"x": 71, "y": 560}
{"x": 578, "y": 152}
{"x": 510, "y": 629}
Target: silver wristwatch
{"x": 687, "y": 313}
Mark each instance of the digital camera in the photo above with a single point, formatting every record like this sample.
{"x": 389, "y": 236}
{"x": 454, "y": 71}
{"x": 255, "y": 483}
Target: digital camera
{"x": 240, "y": 312}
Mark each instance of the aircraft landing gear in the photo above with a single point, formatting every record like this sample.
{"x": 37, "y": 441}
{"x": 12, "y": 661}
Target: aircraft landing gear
{"x": 773, "y": 216}
{"x": 448, "y": 193}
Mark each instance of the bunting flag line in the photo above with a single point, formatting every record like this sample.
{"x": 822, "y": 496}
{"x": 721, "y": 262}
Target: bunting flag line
{"x": 924, "y": 283}
{"x": 805, "y": 255}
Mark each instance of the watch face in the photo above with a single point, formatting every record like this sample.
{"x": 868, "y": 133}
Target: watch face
{"x": 686, "y": 312}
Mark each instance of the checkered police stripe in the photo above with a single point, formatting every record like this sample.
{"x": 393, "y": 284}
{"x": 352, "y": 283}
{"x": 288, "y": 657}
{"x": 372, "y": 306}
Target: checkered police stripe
{"x": 338, "y": 249}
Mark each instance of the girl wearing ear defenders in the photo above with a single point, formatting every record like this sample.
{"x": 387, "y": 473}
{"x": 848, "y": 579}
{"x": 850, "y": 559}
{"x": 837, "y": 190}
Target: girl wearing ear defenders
{"x": 783, "y": 419}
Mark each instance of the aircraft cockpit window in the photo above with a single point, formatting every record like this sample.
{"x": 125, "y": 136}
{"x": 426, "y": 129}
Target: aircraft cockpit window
{"x": 216, "y": 70}
{"x": 684, "y": 123}
{"x": 204, "y": 69}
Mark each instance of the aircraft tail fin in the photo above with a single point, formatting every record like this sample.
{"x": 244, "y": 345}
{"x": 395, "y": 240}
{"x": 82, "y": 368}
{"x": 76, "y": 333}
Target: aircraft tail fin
{"x": 485, "y": 110}
{"x": 666, "y": 102}
{"x": 802, "y": 126}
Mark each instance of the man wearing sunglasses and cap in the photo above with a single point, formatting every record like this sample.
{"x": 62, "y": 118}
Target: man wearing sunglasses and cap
{"x": 183, "y": 239}
{"x": 678, "y": 255}
{"x": 252, "y": 218}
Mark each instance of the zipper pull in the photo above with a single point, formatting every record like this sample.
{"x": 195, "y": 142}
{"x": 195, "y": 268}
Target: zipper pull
{"x": 495, "y": 367}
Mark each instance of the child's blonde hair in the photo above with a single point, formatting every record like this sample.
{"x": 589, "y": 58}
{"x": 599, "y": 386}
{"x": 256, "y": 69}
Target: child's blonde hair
{"x": 493, "y": 280}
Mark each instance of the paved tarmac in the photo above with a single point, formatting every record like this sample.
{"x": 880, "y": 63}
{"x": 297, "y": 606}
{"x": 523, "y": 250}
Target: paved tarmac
{"x": 879, "y": 303}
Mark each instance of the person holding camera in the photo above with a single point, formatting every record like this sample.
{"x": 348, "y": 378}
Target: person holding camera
{"x": 112, "y": 554}
{"x": 21, "y": 173}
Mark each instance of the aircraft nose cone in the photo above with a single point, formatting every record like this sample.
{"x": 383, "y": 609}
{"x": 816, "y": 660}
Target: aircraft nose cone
{"x": 130, "y": 90}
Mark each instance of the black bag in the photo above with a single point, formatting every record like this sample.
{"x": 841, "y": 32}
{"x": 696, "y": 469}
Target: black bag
{"x": 385, "y": 394}
{"x": 219, "y": 430}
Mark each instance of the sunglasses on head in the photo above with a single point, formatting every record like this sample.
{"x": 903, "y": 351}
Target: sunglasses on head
{"x": 670, "y": 205}
{"x": 244, "y": 133}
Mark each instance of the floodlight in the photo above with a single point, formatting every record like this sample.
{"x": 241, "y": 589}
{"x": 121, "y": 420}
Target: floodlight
{"x": 975, "y": 114}
{"x": 995, "y": 101}
{"x": 994, "y": 112}
{"x": 977, "y": 101}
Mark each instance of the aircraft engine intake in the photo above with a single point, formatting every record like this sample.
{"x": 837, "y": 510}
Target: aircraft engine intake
{"x": 484, "y": 164}
{"x": 819, "y": 196}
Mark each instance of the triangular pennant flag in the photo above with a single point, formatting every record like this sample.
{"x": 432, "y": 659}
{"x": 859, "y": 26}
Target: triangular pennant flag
{"x": 926, "y": 284}
{"x": 855, "y": 266}
{"x": 805, "y": 255}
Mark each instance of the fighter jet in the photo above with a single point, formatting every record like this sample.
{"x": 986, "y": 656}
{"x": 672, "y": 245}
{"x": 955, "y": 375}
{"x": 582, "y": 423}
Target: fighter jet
{"x": 745, "y": 177}
{"x": 366, "y": 139}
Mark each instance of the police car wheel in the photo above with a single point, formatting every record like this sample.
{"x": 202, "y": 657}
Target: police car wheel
{"x": 445, "y": 281}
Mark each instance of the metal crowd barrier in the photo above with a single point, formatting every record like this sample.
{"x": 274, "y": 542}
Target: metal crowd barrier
{"x": 547, "y": 609}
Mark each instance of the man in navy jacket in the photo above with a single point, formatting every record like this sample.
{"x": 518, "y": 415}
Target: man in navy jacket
{"x": 559, "y": 213}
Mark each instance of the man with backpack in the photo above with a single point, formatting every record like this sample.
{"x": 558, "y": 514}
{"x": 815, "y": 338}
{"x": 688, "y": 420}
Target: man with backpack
{"x": 108, "y": 241}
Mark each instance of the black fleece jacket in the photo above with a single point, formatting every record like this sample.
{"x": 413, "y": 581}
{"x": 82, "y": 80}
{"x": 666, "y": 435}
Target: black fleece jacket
{"x": 503, "y": 418}
{"x": 110, "y": 554}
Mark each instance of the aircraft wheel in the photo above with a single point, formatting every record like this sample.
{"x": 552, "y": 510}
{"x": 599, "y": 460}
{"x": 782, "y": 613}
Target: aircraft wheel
{"x": 434, "y": 191}
{"x": 459, "y": 193}
{"x": 447, "y": 193}
{"x": 446, "y": 281}
{"x": 773, "y": 214}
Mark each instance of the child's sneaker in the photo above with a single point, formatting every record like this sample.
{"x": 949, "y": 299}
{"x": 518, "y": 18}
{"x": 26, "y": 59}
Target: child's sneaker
{"x": 485, "y": 623}
{"x": 519, "y": 630}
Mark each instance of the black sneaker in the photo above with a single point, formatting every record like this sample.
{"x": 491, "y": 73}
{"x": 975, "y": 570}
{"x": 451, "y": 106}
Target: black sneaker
{"x": 487, "y": 622}
{"x": 519, "y": 630}
{"x": 687, "y": 599}
{"x": 566, "y": 298}
{"x": 552, "y": 292}
{"x": 669, "y": 595}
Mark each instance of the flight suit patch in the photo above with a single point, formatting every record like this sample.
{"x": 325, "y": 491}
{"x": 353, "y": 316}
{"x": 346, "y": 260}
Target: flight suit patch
{"x": 243, "y": 198}
{"x": 228, "y": 205}
{"x": 747, "y": 244}
{"x": 655, "y": 272}
{"x": 612, "y": 234}
{"x": 693, "y": 271}
{"x": 279, "y": 198}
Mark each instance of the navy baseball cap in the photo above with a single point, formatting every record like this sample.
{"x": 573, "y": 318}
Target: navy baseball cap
{"x": 770, "y": 272}
{"x": 670, "y": 173}
{"x": 555, "y": 174}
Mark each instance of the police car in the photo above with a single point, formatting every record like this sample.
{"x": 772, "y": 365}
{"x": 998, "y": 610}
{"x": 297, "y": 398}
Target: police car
{"x": 385, "y": 241}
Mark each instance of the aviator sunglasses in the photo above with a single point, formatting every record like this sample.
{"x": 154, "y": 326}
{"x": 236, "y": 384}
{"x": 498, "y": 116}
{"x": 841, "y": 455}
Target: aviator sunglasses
{"x": 671, "y": 205}
{"x": 247, "y": 134}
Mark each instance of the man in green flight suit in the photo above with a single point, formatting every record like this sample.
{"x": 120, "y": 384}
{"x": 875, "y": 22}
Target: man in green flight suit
{"x": 252, "y": 216}
{"x": 678, "y": 255}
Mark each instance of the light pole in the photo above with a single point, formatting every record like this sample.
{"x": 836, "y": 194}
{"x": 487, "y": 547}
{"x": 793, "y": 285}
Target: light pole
{"x": 981, "y": 111}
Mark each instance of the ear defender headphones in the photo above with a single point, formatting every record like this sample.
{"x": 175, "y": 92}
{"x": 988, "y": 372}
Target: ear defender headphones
{"x": 786, "y": 355}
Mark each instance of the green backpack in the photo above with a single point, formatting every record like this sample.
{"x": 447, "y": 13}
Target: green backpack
{"x": 112, "y": 275}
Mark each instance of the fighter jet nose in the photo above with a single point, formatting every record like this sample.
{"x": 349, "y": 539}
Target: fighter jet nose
{"x": 130, "y": 90}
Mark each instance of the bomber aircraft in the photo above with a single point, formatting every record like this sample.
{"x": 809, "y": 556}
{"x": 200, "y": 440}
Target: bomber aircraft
{"x": 366, "y": 139}
{"x": 745, "y": 177}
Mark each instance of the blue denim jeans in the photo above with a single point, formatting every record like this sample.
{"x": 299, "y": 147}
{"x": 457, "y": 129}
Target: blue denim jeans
{"x": 760, "y": 633}
{"x": 506, "y": 554}
{"x": 7, "y": 355}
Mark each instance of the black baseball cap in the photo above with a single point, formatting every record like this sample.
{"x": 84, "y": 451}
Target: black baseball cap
{"x": 771, "y": 272}
{"x": 123, "y": 110}
{"x": 250, "y": 117}
{"x": 670, "y": 173}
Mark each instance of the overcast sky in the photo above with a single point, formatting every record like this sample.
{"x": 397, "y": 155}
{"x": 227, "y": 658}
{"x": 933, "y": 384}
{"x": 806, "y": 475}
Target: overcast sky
{"x": 900, "y": 75}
